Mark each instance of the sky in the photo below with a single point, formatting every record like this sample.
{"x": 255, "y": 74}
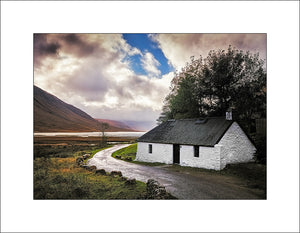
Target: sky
{"x": 123, "y": 76}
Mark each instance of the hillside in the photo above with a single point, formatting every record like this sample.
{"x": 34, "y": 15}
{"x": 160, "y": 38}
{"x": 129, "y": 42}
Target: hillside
{"x": 54, "y": 115}
{"x": 141, "y": 125}
{"x": 115, "y": 126}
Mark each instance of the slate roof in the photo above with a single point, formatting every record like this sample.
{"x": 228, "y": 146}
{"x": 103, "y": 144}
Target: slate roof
{"x": 202, "y": 132}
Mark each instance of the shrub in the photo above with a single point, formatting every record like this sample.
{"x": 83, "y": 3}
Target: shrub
{"x": 261, "y": 153}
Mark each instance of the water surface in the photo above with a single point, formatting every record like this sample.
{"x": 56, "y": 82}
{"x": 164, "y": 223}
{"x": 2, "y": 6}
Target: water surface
{"x": 92, "y": 134}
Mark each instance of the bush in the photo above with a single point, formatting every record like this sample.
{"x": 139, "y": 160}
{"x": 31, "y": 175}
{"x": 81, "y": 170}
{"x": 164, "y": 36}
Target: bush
{"x": 261, "y": 153}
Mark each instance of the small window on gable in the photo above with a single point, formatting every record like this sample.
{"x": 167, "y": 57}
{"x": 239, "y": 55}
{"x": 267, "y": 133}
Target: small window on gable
{"x": 150, "y": 148}
{"x": 196, "y": 151}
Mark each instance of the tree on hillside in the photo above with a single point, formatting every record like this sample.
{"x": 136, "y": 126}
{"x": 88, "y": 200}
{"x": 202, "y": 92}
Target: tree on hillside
{"x": 224, "y": 79}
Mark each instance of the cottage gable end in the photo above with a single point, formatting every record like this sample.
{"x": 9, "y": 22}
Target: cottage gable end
{"x": 235, "y": 146}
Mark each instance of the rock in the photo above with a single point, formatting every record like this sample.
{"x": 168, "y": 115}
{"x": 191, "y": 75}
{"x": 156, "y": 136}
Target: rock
{"x": 123, "y": 178}
{"x": 130, "y": 182}
{"x": 85, "y": 156}
{"x": 80, "y": 164}
{"x": 152, "y": 183}
{"x": 128, "y": 159}
{"x": 101, "y": 172}
{"x": 84, "y": 166}
{"x": 79, "y": 160}
{"x": 116, "y": 173}
{"x": 118, "y": 157}
{"x": 92, "y": 168}
{"x": 155, "y": 190}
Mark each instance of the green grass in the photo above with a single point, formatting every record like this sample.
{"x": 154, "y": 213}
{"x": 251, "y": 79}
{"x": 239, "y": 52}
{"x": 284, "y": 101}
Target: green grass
{"x": 127, "y": 152}
{"x": 62, "y": 151}
{"x": 130, "y": 152}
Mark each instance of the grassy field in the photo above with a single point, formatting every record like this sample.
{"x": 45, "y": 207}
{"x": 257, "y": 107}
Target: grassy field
{"x": 56, "y": 175}
{"x": 64, "y": 147}
{"x": 61, "y": 178}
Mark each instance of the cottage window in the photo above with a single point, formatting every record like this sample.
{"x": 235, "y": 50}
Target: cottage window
{"x": 150, "y": 148}
{"x": 196, "y": 151}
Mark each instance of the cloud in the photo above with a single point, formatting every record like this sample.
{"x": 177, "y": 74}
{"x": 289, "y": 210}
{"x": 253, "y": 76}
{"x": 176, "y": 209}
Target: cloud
{"x": 178, "y": 48}
{"x": 43, "y": 48}
{"x": 150, "y": 64}
{"x": 76, "y": 44}
{"x": 92, "y": 72}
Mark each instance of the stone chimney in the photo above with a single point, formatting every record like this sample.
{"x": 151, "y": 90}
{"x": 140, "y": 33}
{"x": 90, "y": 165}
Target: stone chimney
{"x": 229, "y": 114}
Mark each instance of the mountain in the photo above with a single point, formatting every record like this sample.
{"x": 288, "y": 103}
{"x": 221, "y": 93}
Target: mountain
{"x": 54, "y": 115}
{"x": 141, "y": 125}
{"x": 115, "y": 126}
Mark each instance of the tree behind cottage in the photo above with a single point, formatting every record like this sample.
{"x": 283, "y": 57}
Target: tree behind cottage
{"x": 208, "y": 87}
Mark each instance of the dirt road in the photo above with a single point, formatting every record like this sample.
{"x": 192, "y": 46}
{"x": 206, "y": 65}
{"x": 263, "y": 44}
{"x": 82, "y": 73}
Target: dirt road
{"x": 188, "y": 186}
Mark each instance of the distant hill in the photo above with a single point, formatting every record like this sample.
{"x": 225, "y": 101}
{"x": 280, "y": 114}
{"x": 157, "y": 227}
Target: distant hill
{"x": 115, "y": 126}
{"x": 54, "y": 115}
{"x": 141, "y": 125}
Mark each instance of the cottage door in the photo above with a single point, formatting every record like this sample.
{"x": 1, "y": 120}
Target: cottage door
{"x": 176, "y": 154}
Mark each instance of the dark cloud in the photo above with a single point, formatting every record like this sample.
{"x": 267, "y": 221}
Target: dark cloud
{"x": 43, "y": 48}
{"x": 75, "y": 43}
{"x": 73, "y": 39}
{"x": 178, "y": 48}
{"x": 50, "y": 45}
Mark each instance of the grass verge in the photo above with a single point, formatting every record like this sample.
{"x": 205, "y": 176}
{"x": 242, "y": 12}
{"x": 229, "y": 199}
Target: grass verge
{"x": 128, "y": 154}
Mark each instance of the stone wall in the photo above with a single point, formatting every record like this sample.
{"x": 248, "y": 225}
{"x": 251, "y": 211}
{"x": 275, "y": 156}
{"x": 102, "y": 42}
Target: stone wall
{"x": 235, "y": 147}
{"x": 161, "y": 153}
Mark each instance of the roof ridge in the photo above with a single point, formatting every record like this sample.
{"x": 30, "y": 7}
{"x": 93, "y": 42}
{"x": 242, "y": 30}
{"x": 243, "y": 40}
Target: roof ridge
{"x": 193, "y": 119}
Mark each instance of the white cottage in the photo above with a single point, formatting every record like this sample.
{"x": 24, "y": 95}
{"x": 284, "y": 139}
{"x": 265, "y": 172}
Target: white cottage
{"x": 205, "y": 143}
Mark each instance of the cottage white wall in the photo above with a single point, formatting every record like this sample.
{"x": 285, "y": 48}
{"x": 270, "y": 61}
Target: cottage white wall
{"x": 161, "y": 153}
{"x": 209, "y": 157}
{"x": 235, "y": 146}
